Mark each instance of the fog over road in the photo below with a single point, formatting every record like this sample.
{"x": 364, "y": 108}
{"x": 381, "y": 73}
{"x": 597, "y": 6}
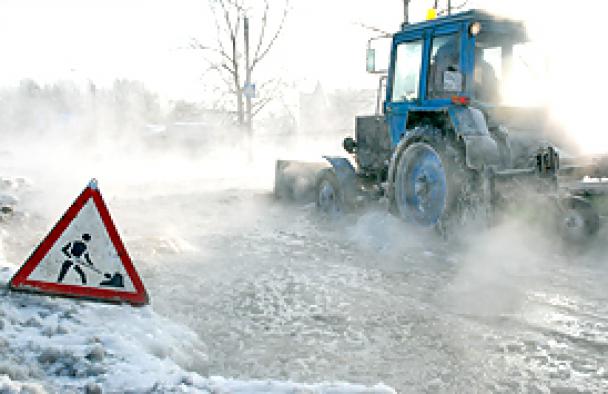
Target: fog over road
{"x": 276, "y": 292}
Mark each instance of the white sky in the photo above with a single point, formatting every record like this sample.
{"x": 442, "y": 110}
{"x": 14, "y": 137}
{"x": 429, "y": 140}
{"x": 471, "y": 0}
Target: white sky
{"x": 100, "y": 40}
{"x": 104, "y": 39}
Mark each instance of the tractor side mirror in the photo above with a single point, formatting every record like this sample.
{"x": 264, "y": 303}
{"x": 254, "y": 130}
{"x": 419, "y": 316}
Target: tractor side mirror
{"x": 452, "y": 81}
{"x": 371, "y": 60}
{"x": 378, "y": 45}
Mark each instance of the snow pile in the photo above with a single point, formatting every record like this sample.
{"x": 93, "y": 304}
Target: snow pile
{"x": 9, "y": 386}
{"x": 66, "y": 345}
{"x": 71, "y": 344}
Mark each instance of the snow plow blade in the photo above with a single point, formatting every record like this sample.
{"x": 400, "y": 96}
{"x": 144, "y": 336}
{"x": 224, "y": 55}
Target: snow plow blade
{"x": 591, "y": 167}
{"x": 295, "y": 180}
{"x": 589, "y": 180}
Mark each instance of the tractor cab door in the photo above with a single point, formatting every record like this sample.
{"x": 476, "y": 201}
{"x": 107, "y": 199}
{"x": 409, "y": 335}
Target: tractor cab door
{"x": 445, "y": 77}
{"x": 426, "y": 71}
{"x": 406, "y": 83}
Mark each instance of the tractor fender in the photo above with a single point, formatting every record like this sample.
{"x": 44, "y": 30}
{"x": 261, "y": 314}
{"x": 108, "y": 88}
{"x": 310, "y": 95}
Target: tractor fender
{"x": 480, "y": 152}
{"x": 471, "y": 128}
{"x": 346, "y": 174}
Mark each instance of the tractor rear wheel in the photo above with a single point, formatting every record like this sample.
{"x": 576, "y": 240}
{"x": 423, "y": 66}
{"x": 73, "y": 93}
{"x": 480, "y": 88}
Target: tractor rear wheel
{"x": 429, "y": 182}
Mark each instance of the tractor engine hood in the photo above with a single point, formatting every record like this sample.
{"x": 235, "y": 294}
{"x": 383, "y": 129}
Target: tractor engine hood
{"x": 526, "y": 119}
{"x": 533, "y": 122}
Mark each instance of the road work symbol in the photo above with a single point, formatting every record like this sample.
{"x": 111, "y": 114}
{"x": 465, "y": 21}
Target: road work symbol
{"x": 83, "y": 256}
{"x": 78, "y": 257}
{"x": 77, "y": 254}
{"x": 115, "y": 280}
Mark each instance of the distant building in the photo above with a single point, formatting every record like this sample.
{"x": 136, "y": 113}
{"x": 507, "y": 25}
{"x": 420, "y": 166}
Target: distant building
{"x": 314, "y": 110}
{"x": 335, "y": 111}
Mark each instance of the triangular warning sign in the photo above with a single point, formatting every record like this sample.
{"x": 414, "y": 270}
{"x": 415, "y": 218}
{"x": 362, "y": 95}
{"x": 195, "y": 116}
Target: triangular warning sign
{"x": 83, "y": 256}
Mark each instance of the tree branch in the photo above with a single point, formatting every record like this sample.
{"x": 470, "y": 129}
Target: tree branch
{"x": 260, "y": 106}
{"x": 263, "y": 29}
{"x": 231, "y": 29}
{"x": 262, "y": 55}
{"x": 196, "y": 44}
{"x": 261, "y": 103}
{"x": 219, "y": 33}
{"x": 227, "y": 60}
{"x": 227, "y": 82}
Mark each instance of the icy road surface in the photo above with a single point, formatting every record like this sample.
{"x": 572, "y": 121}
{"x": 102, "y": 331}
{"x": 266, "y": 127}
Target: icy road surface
{"x": 272, "y": 291}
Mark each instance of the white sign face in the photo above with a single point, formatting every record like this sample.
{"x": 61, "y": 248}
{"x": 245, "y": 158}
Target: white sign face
{"x": 84, "y": 255}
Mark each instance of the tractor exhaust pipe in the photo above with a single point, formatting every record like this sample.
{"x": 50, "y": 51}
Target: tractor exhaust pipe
{"x": 406, "y": 13}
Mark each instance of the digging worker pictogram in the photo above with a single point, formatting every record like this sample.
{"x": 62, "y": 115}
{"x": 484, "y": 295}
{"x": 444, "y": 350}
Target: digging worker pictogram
{"x": 77, "y": 254}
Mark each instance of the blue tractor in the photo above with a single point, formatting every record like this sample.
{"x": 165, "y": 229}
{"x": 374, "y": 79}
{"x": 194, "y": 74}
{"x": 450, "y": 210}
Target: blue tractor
{"x": 444, "y": 142}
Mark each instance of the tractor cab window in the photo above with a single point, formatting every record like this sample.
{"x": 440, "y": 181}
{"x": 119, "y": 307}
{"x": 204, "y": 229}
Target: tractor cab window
{"x": 488, "y": 68}
{"x": 505, "y": 67}
{"x": 445, "y": 79}
{"x": 408, "y": 59}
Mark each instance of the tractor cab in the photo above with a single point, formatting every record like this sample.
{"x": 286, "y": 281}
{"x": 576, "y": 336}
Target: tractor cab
{"x": 471, "y": 57}
{"x": 464, "y": 73}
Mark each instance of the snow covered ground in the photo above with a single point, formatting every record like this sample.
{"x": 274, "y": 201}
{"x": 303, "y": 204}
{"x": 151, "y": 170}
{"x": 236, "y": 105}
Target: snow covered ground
{"x": 50, "y": 344}
{"x": 266, "y": 294}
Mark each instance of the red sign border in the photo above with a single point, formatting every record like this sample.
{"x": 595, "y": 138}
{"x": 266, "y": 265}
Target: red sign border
{"x": 21, "y": 282}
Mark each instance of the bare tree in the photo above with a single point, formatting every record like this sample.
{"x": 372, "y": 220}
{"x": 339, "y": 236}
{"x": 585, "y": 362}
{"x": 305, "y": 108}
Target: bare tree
{"x": 226, "y": 55}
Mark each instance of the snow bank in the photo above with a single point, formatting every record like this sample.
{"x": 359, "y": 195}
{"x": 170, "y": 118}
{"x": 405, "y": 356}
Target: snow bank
{"x": 50, "y": 344}
{"x": 68, "y": 344}
{"x": 9, "y": 386}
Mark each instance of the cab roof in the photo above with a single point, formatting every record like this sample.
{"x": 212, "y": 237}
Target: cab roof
{"x": 489, "y": 21}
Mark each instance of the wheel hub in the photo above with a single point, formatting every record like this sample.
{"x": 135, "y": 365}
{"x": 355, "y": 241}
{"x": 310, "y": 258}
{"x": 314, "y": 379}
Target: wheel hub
{"x": 574, "y": 225}
{"x": 421, "y": 188}
{"x": 327, "y": 197}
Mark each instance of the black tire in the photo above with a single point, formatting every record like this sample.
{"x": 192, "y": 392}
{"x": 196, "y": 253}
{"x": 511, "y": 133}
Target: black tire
{"x": 447, "y": 159}
{"x": 577, "y": 221}
{"x": 328, "y": 196}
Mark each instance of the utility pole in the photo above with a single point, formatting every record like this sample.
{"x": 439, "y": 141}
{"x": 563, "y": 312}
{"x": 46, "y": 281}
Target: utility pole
{"x": 449, "y": 7}
{"x": 248, "y": 88}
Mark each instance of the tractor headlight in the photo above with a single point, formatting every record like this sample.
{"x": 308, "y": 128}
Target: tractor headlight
{"x": 474, "y": 28}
